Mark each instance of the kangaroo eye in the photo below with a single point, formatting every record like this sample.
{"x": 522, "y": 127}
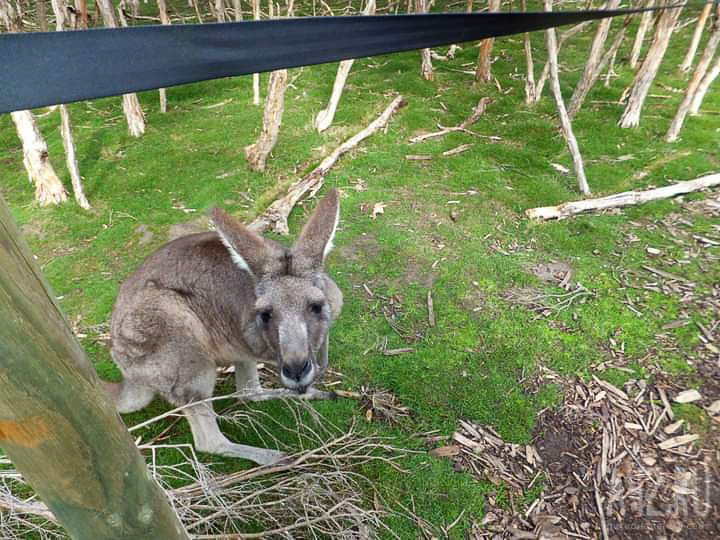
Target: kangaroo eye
{"x": 316, "y": 307}
{"x": 266, "y": 315}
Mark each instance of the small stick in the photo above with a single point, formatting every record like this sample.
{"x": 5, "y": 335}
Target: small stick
{"x": 431, "y": 313}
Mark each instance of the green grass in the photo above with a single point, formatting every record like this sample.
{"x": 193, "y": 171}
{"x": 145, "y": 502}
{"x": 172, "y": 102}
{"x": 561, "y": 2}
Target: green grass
{"x": 469, "y": 365}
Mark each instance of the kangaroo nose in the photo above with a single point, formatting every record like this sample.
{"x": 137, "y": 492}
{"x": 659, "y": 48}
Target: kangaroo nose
{"x": 296, "y": 371}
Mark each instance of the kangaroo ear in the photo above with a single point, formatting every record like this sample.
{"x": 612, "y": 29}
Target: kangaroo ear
{"x": 249, "y": 251}
{"x": 316, "y": 238}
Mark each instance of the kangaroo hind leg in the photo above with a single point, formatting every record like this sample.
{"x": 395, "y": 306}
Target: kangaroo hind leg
{"x": 128, "y": 395}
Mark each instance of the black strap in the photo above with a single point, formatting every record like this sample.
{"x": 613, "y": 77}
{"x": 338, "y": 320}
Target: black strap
{"x": 45, "y": 68}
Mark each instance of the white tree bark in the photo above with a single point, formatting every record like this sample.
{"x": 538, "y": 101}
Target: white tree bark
{"x": 530, "y": 87}
{"x": 640, "y": 35}
{"x": 592, "y": 67}
{"x": 237, "y": 10}
{"x": 164, "y": 19}
{"x": 698, "y": 75}
{"x": 66, "y": 124}
{"x": 426, "y": 68}
{"x": 622, "y": 199}
{"x": 131, "y": 105}
{"x": 48, "y": 188}
{"x": 695, "y": 41}
{"x": 324, "y": 118}
{"x": 649, "y": 68}
{"x": 483, "y": 72}
{"x": 703, "y": 87}
{"x": 256, "y": 76}
{"x": 258, "y": 153}
{"x": 564, "y": 119}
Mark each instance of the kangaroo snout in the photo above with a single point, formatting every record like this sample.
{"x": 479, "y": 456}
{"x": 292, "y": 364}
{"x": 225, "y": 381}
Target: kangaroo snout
{"x": 298, "y": 375}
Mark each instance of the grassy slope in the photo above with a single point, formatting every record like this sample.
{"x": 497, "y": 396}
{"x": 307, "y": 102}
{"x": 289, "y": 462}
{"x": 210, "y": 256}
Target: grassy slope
{"x": 468, "y": 365}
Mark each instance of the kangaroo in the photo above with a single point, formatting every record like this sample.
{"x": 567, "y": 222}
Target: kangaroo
{"x": 227, "y": 297}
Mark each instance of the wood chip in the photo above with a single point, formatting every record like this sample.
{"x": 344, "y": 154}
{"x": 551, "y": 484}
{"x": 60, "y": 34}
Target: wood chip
{"x": 413, "y": 157}
{"x": 632, "y": 426}
{"x": 611, "y": 388}
{"x": 445, "y": 451}
{"x": 714, "y": 407}
{"x": 678, "y": 441}
{"x": 672, "y": 428}
{"x": 688, "y": 396}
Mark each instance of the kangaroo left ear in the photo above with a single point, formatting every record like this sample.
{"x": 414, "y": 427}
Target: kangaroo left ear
{"x": 316, "y": 238}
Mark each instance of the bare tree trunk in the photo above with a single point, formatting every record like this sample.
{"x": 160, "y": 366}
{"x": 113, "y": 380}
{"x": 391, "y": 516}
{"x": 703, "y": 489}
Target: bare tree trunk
{"x": 41, "y": 15}
{"x": 219, "y": 10}
{"x": 564, "y": 119}
{"x": 164, "y": 19}
{"x": 66, "y": 124}
{"x": 649, "y": 68}
{"x": 256, "y": 76}
{"x": 59, "y": 427}
{"x": 237, "y": 10}
{"x": 592, "y": 67}
{"x": 640, "y": 35}
{"x": 567, "y": 34}
{"x": 530, "y": 88}
{"x": 257, "y": 153}
{"x": 324, "y": 118}
{"x": 698, "y": 75}
{"x": 695, "y": 42}
{"x": 48, "y": 188}
{"x": 81, "y": 7}
{"x": 469, "y": 6}
{"x": 131, "y": 104}
{"x": 702, "y": 89}
{"x": 426, "y": 68}
{"x": 483, "y": 72}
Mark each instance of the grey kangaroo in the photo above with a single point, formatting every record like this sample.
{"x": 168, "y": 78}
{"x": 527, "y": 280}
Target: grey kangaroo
{"x": 229, "y": 297}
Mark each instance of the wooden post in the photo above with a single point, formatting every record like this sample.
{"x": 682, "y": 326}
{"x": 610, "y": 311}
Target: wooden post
{"x": 57, "y": 425}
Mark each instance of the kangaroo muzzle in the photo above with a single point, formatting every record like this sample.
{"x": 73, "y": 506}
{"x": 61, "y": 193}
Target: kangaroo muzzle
{"x": 297, "y": 363}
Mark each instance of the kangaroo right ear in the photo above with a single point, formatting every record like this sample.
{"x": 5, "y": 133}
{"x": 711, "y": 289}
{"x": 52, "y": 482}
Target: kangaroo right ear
{"x": 249, "y": 251}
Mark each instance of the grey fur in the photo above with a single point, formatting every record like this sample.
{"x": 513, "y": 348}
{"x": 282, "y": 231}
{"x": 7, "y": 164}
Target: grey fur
{"x": 222, "y": 298}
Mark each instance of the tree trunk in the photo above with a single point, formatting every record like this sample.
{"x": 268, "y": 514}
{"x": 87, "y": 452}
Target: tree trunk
{"x": 567, "y": 34}
{"x": 483, "y": 72}
{"x": 66, "y": 124}
{"x": 258, "y": 153}
{"x": 695, "y": 42}
{"x": 530, "y": 88}
{"x": 640, "y": 36}
{"x": 237, "y": 10}
{"x": 41, "y": 15}
{"x": 592, "y": 67}
{"x": 131, "y": 105}
{"x": 698, "y": 75}
{"x": 48, "y": 188}
{"x": 702, "y": 89}
{"x": 324, "y": 118}
{"x": 426, "y": 68}
{"x": 256, "y": 76}
{"x": 57, "y": 425}
{"x": 649, "y": 68}
{"x": 81, "y": 7}
{"x": 164, "y": 19}
{"x": 564, "y": 119}
{"x": 219, "y": 10}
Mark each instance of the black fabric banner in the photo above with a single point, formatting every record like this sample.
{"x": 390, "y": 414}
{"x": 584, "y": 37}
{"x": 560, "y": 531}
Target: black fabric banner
{"x": 45, "y": 68}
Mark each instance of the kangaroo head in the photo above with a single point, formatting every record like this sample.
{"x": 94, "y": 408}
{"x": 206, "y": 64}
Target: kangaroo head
{"x": 295, "y": 302}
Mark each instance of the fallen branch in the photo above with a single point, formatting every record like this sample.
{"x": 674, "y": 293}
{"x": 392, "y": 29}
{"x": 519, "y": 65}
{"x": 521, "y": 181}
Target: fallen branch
{"x": 478, "y": 111}
{"x": 276, "y": 215}
{"x": 622, "y": 199}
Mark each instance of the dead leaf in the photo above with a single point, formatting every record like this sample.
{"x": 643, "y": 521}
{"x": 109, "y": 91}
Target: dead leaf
{"x": 678, "y": 441}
